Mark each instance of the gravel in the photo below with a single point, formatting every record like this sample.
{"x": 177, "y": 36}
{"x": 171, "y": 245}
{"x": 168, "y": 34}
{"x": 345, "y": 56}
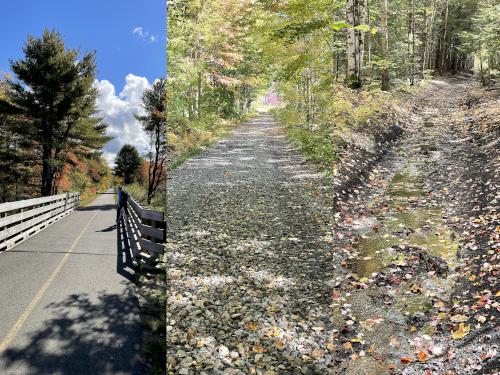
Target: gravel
{"x": 250, "y": 267}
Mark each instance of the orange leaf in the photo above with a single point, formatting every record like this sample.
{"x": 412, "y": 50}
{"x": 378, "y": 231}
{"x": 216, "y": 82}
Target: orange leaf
{"x": 422, "y": 356}
{"x": 347, "y": 346}
{"x": 258, "y": 349}
{"x": 406, "y": 360}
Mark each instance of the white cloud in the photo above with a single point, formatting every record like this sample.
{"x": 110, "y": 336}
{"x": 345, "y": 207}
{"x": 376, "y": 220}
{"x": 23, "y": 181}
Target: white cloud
{"x": 118, "y": 112}
{"x": 144, "y": 35}
{"x": 138, "y": 30}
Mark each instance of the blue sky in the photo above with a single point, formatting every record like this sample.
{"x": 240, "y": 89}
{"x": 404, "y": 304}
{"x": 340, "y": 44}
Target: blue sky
{"x": 127, "y": 35}
{"x": 102, "y": 25}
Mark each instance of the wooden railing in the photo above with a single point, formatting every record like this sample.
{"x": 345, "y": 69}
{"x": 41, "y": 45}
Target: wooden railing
{"x": 146, "y": 231}
{"x": 22, "y": 219}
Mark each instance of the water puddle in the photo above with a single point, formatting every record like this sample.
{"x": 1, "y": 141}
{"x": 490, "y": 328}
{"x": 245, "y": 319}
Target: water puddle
{"x": 404, "y": 224}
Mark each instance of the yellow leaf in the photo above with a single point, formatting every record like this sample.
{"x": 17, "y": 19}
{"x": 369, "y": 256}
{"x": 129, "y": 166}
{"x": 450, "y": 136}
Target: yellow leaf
{"x": 472, "y": 278}
{"x": 330, "y": 346}
{"x": 251, "y": 326}
{"x": 462, "y": 331}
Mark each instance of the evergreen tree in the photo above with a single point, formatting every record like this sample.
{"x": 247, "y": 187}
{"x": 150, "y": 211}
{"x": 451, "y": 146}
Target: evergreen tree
{"x": 155, "y": 126}
{"x": 128, "y": 163}
{"x": 54, "y": 95}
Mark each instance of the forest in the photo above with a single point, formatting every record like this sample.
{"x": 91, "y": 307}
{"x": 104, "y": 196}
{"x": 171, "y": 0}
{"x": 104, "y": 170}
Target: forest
{"x": 224, "y": 54}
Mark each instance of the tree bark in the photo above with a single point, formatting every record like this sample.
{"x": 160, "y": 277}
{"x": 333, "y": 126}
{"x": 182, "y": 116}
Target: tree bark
{"x": 385, "y": 82}
{"x": 443, "y": 44}
{"x": 355, "y": 43}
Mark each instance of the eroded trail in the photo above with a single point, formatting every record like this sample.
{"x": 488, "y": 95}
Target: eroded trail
{"x": 250, "y": 263}
{"x": 403, "y": 260}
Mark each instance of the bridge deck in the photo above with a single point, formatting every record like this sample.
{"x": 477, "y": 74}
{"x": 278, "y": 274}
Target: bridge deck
{"x": 67, "y": 303}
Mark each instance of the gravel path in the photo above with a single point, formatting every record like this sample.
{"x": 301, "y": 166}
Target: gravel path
{"x": 250, "y": 271}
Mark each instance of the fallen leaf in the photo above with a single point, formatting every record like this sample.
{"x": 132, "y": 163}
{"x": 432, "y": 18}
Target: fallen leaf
{"x": 258, "y": 349}
{"x": 406, "y": 360}
{"x": 459, "y": 318}
{"x": 422, "y": 356}
{"x": 462, "y": 331}
{"x": 251, "y": 326}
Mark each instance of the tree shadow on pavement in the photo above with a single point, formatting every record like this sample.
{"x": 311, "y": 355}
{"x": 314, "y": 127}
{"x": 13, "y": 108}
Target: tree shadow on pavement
{"x": 84, "y": 336}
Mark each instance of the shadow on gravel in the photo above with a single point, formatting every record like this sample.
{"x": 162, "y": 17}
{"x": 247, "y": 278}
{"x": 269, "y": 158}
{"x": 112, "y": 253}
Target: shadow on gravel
{"x": 85, "y": 337}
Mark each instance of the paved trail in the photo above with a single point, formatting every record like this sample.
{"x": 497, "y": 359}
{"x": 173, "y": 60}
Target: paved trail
{"x": 66, "y": 299}
{"x": 249, "y": 255}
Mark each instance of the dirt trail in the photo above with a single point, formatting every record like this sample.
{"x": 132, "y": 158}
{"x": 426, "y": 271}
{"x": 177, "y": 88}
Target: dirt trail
{"x": 401, "y": 255}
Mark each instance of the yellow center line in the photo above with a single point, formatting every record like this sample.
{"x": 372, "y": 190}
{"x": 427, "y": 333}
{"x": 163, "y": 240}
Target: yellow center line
{"x": 38, "y": 296}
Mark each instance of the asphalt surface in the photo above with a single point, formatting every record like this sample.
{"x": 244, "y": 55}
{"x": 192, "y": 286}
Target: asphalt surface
{"x": 67, "y": 301}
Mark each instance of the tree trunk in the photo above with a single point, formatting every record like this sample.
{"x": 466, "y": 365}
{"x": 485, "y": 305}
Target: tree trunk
{"x": 385, "y": 83}
{"x": 198, "y": 95}
{"x": 355, "y": 43}
{"x": 369, "y": 41}
{"x": 443, "y": 44}
{"x": 47, "y": 171}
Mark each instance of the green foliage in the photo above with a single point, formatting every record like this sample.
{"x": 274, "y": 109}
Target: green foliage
{"x": 128, "y": 163}
{"x": 140, "y": 193}
{"x": 300, "y": 47}
{"x": 317, "y": 145}
{"x": 215, "y": 69}
{"x": 80, "y": 181}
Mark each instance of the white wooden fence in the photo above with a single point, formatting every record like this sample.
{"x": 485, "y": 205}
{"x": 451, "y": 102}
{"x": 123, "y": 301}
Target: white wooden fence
{"x": 146, "y": 230}
{"x": 22, "y": 219}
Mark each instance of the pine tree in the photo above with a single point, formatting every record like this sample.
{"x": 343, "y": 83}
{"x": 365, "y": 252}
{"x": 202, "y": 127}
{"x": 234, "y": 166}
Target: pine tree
{"x": 55, "y": 96}
{"x": 128, "y": 163}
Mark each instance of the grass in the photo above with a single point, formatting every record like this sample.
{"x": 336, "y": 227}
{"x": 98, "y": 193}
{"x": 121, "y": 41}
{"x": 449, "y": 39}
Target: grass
{"x": 86, "y": 198}
{"x": 140, "y": 193}
{"x": 316, "y": 144}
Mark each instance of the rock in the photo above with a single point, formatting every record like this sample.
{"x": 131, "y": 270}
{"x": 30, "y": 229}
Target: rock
{"x": 223, "y": 351}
